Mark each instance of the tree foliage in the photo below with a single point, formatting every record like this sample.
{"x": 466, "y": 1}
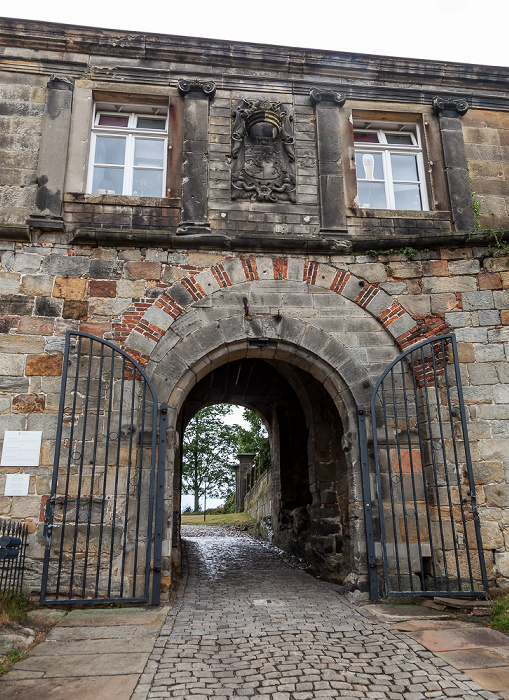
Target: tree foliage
{"x": 210, "y": 448}
{"x": 209, "y": 453}
{"x": 255, "y": 439}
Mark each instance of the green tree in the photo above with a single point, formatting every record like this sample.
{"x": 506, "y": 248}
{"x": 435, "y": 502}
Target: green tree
{"x": 209, "y": 453}
{"x": 254, "y": 439}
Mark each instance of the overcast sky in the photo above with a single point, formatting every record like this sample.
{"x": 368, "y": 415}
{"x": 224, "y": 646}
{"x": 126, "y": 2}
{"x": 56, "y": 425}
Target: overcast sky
{"x": 469, "y": 31}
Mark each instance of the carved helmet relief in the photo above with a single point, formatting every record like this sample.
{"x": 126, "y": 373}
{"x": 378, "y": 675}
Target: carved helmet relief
{"x": 263, "y": 152}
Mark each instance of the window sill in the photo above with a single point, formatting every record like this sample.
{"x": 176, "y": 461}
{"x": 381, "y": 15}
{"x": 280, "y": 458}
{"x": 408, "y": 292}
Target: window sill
{"x": 122, "y": 200}
{"x": 397, "y": 214}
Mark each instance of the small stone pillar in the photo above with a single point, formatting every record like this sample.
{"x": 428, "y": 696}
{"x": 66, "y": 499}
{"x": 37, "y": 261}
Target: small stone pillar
{"x": 52, "y": 163}
{"x": 330, "y": 152}
{"x": 242, "y": 471}
{"x": 195, "y": 182}
{"x": 449, "y": 111}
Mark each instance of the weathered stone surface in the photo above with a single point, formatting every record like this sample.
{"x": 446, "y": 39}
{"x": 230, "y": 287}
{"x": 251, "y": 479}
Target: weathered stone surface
{"x": 26, "y": 262}
{"x": 432, "y": 285}
{"x": 11, "y": 365}
{"x": 23, "y": 344}
{"x": 17, "y": 305}
{"x": 9, "y": 283}
{"x": 106, "y": 269}
{"x": 36, "y": 325}
{"x": 69, "y": 288}
{"x": 46, "y": 306}
{"x": 66, "y": 265}
{"x": 75, "y": 309}
{"x": 102, "y": 288}
{"x": 405, "y": 270}
{"x": 44, "y": 365}
{"x": 12, "y": 384}
{"x": 28, "y": 403}
{"x": 131, "y": 289}
{"x": 143, "y": 270}
{"x": 38, "y": 285}
{"x": 8, "y": 322}
{"x": 99, "y": 306}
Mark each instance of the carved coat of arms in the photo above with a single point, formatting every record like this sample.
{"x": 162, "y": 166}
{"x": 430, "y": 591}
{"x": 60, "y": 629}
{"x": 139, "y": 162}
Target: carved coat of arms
{"x": 263, "y": 152}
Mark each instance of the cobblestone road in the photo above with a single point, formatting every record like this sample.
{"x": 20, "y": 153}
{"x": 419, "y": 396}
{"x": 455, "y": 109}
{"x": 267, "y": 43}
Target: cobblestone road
{"x": 246, "y": 624}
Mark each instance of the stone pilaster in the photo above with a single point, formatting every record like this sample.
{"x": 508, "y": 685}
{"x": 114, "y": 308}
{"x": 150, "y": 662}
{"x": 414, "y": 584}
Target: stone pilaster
{"x": 449, "y": 111}
{"x": 53, "y": 154}
{"x": 196, "y": 96}
{"x": 330, "y": 169}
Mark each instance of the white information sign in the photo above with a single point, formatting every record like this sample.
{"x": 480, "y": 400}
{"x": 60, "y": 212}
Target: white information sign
{"x": 16, "y": 484}
{"x": 22, "y": 448}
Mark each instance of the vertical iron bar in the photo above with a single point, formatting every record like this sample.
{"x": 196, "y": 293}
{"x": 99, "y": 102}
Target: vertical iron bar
{"x": 151, "y": 492}
{"x": 105, "y": 477}
{"x": 411, "y": 464}
{"x": 158, "y": 530}
{"x": 403, "y": 497}
{"x": 69, "y": 458}
{"x": 468, "y": 459}
{"x": 435, "y": 478}
{"x": 391, "y": 491}
{"x": 456, "y": 464}
{"x": 128, "y": 488}
{"x": 422, "y": 455}
{"x": 94, "y": 462}
{"x": 446, "y": 472}
{"x": 140, "y": 477}
{"x": 80, "y": 477}
{"x": 115, "y": 492}
{"x": 366, "y": 493}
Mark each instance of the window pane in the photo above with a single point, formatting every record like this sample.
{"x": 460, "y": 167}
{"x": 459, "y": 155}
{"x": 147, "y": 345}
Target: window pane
{"x": 396, "y": 139}
{"x": 371, "y": 195}
{"x": 408, "y": 197}
{"x": 112, "y": 120}
{"x": 110, "y": 150}
{"x": 108, "y": 180}
{"x": 151, "y": 123}
{"x": 365, "y": 137}
{"x": 369, "y": 166}
{"x": 404, "y": 167}
{"x": 149, "y": 152}
{"x": 148, "y": 183}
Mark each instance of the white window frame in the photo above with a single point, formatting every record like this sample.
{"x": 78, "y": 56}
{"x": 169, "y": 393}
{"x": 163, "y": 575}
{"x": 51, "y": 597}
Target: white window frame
{"x": 130, "y": 133}
{"x": 386, "y": 149}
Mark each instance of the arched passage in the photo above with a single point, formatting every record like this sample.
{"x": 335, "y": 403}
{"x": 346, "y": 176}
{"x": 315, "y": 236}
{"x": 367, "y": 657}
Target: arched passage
{"x": 324, "y": 351}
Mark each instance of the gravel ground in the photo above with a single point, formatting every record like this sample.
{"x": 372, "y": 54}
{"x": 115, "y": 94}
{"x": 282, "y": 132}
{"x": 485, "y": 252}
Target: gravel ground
{"x": 212, "y": 531}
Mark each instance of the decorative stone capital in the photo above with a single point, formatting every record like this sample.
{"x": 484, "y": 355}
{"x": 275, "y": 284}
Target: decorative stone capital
{"x": 317, "y": 95}
{"x": 186, "y": 86}
{"x": 456, "y": 106}
{"x": 60, "y": 82}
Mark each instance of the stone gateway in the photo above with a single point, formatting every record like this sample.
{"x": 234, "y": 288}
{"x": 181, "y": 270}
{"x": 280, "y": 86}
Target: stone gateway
{"x": 270, "y": 227}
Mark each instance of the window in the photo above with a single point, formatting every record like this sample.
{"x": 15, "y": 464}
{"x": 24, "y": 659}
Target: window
{"x": 128, "y": 150}
{"x": 389, "y": 165}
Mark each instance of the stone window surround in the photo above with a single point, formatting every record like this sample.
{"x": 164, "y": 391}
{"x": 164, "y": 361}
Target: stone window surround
{"x": 86, "y": 94}
{"x": 427, "y": 124}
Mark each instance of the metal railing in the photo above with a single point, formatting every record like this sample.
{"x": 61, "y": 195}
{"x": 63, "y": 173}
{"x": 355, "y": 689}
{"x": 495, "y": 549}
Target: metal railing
{"x": 13, "y": 544}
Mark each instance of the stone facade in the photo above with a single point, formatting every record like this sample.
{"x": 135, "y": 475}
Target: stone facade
{"x": 309, "y": 293}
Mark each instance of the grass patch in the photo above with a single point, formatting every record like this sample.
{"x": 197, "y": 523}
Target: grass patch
{"x": 500, "y": 616}
{"x": 13, "y": 609}
{"x": 7, "y": 662}
{"x": 218, "y": 519}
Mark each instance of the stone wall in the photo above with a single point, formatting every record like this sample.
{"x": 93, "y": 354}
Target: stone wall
{"x": 126, "y": 270}
{"x": 258, "y": 501}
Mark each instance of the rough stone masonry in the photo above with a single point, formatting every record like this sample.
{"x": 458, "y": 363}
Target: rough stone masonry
{"x": 254, "y": 272}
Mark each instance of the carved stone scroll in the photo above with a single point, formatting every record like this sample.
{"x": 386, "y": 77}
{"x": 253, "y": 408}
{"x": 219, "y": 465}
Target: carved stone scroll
{"x": 186, "y": 86}
{"x": 458, "y": 106}
{"x": 263, "y": 152}
{"x": 316, "y": 95}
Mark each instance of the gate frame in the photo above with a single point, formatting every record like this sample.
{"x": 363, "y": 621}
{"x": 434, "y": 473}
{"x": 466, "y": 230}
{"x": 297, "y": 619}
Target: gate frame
{"x": 157, "y": 468}
{"x": 366, "y": 486}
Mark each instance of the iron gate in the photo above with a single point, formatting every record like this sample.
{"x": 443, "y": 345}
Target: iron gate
{"x": 103, "y": 523}
{"x": 422, "y": 527}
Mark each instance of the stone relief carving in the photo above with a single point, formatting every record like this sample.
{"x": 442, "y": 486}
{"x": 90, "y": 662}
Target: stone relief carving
{"x": 450, "y": 104}
{"x": 263, "y": 152}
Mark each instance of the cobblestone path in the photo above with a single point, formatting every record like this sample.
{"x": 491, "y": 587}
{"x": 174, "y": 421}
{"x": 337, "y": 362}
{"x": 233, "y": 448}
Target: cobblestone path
{"x": 247, "y": 624}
